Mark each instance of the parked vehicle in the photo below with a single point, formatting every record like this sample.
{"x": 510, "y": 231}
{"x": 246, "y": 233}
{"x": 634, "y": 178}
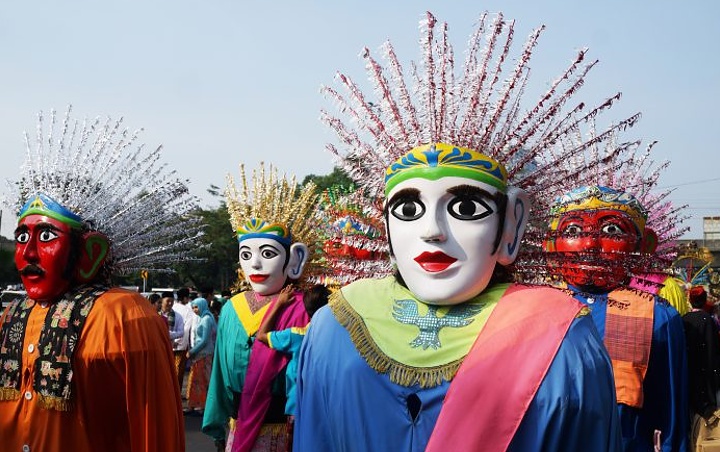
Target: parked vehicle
{"x": 8, "y": 296}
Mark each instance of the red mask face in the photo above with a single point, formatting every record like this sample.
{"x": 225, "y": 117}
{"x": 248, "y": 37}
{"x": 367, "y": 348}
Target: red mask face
{"x": 592, "y": 248}
{"x": 335, "y": 248}
{"x": 42, "y": 253}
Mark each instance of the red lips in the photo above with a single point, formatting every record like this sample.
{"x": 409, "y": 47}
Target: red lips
{"x": 258, "y": 278}
{"x": 434, "y": 262}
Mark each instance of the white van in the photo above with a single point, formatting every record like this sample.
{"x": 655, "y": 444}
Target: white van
{"x": 7, "y": 296}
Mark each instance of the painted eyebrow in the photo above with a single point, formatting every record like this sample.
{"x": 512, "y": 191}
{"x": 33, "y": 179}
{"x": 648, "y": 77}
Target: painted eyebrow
{"x": 466, "y": 190}
{"x": 41, "y": 225}
{"x": 573, "y": 218}
{"x": 405, "y": 193}
{"x": 21, "y": 228}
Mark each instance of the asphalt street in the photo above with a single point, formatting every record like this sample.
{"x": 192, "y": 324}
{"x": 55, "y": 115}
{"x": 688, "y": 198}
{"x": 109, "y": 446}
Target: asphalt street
{"x": 195, "y": 440}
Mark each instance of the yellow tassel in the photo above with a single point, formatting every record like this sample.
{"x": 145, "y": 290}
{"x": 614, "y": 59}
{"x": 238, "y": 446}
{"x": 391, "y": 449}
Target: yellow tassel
{"x": 399, "y": 373}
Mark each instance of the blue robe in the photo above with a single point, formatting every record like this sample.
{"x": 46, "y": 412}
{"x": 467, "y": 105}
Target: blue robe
{"x": 345, "y": 405}
{"x": 665, "y": 406}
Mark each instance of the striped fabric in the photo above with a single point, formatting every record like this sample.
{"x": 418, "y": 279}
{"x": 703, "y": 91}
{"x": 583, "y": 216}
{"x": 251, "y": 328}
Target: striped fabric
{"x": 628, "y": 336}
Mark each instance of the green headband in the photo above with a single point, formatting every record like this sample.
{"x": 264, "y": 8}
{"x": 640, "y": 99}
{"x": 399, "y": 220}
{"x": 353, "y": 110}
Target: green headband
{"x": 438, "y": 160}
{"x": 44, "y": 205}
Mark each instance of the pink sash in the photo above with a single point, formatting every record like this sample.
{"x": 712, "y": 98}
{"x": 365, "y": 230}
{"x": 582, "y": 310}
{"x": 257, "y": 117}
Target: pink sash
{"x": 498, "y": 379}
{"x": 264, "y": 365}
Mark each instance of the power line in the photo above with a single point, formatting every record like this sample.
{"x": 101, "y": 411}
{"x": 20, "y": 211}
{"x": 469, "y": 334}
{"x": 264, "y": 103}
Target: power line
{"x": 691, "y": 183}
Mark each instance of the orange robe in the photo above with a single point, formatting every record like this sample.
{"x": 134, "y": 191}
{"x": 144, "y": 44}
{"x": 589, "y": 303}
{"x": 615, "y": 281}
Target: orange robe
{"x": 123, "y": 398}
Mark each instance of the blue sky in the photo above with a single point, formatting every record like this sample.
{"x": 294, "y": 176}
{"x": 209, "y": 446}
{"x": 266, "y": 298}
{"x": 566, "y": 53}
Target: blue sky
{"x": 224, "y": 82}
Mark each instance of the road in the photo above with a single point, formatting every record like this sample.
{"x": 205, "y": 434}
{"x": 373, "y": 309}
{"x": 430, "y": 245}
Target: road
{"x": 195, "y": 440}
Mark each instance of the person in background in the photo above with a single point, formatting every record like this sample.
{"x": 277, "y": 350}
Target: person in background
{"x": 154, "y": 299}
{"x": 289, "y": 340}
{"x": 182, "y": 344}
{"x": 200, "y": 356}
{"x": 208, "y": 293}
{"x": 174, "y": 320}
{"x": 84, "y": 365}
{"x": 225, "y": 296}
{"x": 703, "y": 351}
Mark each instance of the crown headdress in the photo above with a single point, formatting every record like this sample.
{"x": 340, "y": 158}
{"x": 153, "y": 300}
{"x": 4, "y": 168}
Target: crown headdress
{"x": 93, "y": 175}
{"x": 478, "y": 108}
{"x": 274, "y": 207}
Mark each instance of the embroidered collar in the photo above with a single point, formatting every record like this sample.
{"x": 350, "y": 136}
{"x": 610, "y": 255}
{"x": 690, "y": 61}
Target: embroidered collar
{"x": 412, "y": 342}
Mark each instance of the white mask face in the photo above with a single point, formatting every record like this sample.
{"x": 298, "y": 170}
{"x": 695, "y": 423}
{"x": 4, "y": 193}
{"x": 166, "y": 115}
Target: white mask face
{"x": 263, "y": 261}
{"x": 443, "y": 236}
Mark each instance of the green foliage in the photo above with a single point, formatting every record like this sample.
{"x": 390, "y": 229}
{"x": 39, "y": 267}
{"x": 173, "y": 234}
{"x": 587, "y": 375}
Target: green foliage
{"x": 220, "y": 253}
{"x": 8, "y": 272}
{"x": 337, "y": 178}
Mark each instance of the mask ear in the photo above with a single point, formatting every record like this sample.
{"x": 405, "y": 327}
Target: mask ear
{"x": 94, "y": 251}
{"x": 649, "y": 241}
{"x": 516, "y": 218}
{"x": 298, "y": 258}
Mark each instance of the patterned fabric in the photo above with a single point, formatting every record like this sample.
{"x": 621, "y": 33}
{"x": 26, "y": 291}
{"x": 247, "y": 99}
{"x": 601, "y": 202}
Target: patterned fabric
{"x": 59, "y": 337}
{"x": 628, "y": 336}
{"x": 198, "y": 381}
{"x": 272, "y": 438}
{"x": 180, "y": 365}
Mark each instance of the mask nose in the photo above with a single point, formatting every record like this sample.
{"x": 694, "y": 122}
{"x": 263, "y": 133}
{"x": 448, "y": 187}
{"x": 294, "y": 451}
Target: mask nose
{"x": 30, "y": 252}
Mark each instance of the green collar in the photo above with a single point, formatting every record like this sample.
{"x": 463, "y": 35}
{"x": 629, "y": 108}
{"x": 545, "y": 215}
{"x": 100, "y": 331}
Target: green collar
{"x": 412, "y": 342}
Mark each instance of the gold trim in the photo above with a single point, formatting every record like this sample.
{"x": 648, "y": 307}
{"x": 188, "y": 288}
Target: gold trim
{"x": 399, "y": 373}
{"x": 54, "y": 403}
{"x": 9, "y": 394}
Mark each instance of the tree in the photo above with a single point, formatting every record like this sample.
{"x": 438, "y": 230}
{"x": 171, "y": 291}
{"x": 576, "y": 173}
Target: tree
{"x": 337, "y": 178}
{"x": 8, "y": 273}
{"x": 220, "y": 252}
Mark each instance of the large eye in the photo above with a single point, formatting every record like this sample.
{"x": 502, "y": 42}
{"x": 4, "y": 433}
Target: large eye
{"x": 268, "y": 252}
{"x": 612, "y": 229}
{"x": 22, "y": 237}
{"x": 245, "y": 254}
{"x": 407, "y": 209}
{"x": 47, "y": 235}
{"x": 469, "y": 208}
{"x": 571, "y": 230}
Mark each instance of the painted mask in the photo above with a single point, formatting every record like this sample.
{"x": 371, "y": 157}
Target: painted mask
{"x": 263, "y": 262}
{"x": 447, "y": 226}
{"x": 264, "y": 256}
{"x": 596, "y": 237}
{"x": 43, "y": 246}
{"x": 593, "y": 247}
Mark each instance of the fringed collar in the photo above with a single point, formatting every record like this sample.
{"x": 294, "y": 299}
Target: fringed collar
{"x": 410, "y": 341}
